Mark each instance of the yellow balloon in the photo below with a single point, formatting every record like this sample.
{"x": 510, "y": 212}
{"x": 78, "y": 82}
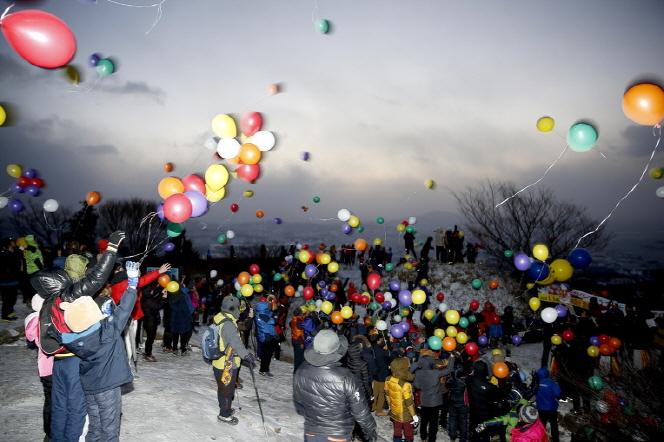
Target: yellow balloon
{"x": 408, "y": 266}
{"x": 14, "y": 170}
{"x": 216, "y": 176}
{"x": 534, "y": 303}
{"x": 593, "y": 351}
{"x": 545, "y": 124}
{"x": 401, "y": 228}
{"x": 312, "y": 307}
{"x": 224, "y": 126}
{"x": 496, "y": 351}
{"x": 257, "y": 278}
{"x": 247, "y": 290}
{"x": 548, "y": 280}
{"x": 353, "y": 221}
{"x": 439, "y": 332}
{"x": 377, "y": 242}
{"x": 462, "y": 337}
{"x": 541, "y": 252}
{"x": 71, "y": 74}
{"x": 304, "y": 309}
{"x": 655, "y": 172}
{"x": 428, "y": 184}
{"x": 304, "y": 256}
{"x": 258, "y": 288}
{"x": 556, "y": 340}
{"x": 332, "y": 267}
{"x": 3, "y": 118}
{"x": 248, "y": 193}
{"x": 326, "y": 307}
{"x": 418, "y": 296}
{"x": 173, "y": 286}
{"x": 346, "y": 312}
{"x": 325, "y": 259}
{"x": 214, "y": 195}
{"x": 304, "y": 276}
{"x": 424, "y": 282}
{"x": 452, "y": 317}
{"x": 451, "y": 331}
{"x": 530, "y": 285}
{"x": 429, "y": 314}
{"x": 561, "y": 270}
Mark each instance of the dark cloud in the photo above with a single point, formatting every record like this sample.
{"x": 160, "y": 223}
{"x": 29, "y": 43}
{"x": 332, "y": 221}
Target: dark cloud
{"x": 137, "y": 88}
{"x": 102, "y": 149}
{"x": 640, "y": 141}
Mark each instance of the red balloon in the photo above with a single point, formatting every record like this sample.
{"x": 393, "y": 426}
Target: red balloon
{"x": 474, "y": 304}
{"x": 40, "y": 38}
{"x": 37, "y": 182}
{"x": 250, "y": 123}
{"x": 234, "y": 207}
{"x": 568, "y": 335}
{"x": 379, "y": 297}
{"x": 177, "y": 208}
{"x": 193, "y": 182}
{"x": 248, "y": 172}
{"x": 605, "y": 349}
{"x": 356, "y": 297}
{"x": 23, "y": 181}
{"x": 604, "y": 339}
{"x": 471, "y": 348}
{"x": 253, "y": 269}
{"x": 373, "y": 281}
{"x": 308, "y": 293}
{"x": 440, "y": 296}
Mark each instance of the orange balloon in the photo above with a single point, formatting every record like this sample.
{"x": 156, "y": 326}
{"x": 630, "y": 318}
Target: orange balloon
{"x": 289, "y": 290}
{"x": 319, "y": 255}
{"x": 169, "y": 186}
{"x": 243, "y": 278}
{"x": 500, "y": 370}
{"x": 337, "y": 318}
{"x": 164, "y": 279}
{"x": 449, "y": 343}
{"x": 360, "y": 245}
{"x": 92, "y": 198}
{"x": 235, "y": 160}
{"x": 259, "y": 214}
{"x": 644, "y": 104}
{"x": 168, "y": 167}
{"x": 250, "y": 153}
{"x": 494, "y": 284}
{"x": 334, "y": 288}
{"x": 605, "y": 349}
{"x": 615, "y": 343}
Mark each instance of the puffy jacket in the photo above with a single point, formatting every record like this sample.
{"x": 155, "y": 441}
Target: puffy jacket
{"x": 102, "y": 350}
{"x": 265, "y": 322}
{"x": 358, "y": 366}
{"x": 297, "y": 332}
{"x": 34, "y": 261}
{"x": 482, "y": 395}
{"x": 331, "y": 399}
{"x": 509, "y": 420}
{"x": 530, "y": 433}
{"x": 399, "y": 391}
{"x": 427, "y": 380}
{"x": 382, "y": 358}
{"x": 456, "y": 385}
{"x": 548, "y": 391}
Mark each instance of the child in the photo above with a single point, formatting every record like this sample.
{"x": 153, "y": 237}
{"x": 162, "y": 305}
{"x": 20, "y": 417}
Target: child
{"x": 529, "y": 428}
{"x": 96, "y": 339}
{"x": 399, "y": 395}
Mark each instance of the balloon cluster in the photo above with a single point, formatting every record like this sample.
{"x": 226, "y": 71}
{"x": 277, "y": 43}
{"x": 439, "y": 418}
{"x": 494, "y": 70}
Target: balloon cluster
{"x": 104, "y": 66}
{"x": 27, "y": 182}
{"x": 559, "y": 270}
{"x": 248, "y": 283}
{"x": 350, "y": 222}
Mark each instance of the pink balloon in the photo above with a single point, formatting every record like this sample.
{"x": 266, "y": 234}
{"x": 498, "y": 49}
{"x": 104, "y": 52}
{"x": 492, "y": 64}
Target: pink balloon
{"x": 250, "y": 123}
{"x": 248, "y": 172}
{"x": 193, "y": 182}
{"x": 40, "y": 38}
{"x": 177, "y": 208}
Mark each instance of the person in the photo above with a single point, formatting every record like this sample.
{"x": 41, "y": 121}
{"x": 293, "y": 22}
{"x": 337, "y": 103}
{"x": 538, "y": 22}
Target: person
{"x": 547, "y": 401}
{"x": 68, "y": 402}
{"x": 10, "y": 277}
{"x": 457, "y": 421}
{"x": 382, "y": 358}
{"x": 227, "y": 368}
{"x": 297, "y": 335}
{"x": 356, "y": 363}
{"x": 267, "y": 334}
{"x": 181, "y": 326}
{"x": 409, "y": 242}
{"x": 96, "y": 338}
{"x": 34, "y": 262}
{"x": 151, "y": 303}
{"x": 508, "y": 324}
{"x": 441, "y": 253}
{"x": 399, "y": 395}
{"x": 509, "y": 420}
{"x": 328, "y": 395}
{"x": 529, "y": 428}
{"x": 426, "y": 249}
{"x": 482, "y": 398}
{"x": 428, "y": 377}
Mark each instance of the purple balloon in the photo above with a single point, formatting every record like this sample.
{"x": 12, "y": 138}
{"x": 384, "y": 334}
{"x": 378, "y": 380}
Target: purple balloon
{"x": 310, "y": 270}
{"x": 32, "y": 190}
{"x": 322, "y": 284}
{"x": 395, "y": 286}
{"x": 405, "y": 326}
{"x": 562, "y": 311}
{"x": 15, "y": 205}
{"x": 276, "y": 220}
{"x": 16, "y": 188}
{"x": 405, "y": 297}
{"x": 516, "y": 339}
{"x": 397, "y": 331}
{"x": 387, "y": 305}
{"x": 324, "y": 292}
{"x": 169, "y": 247}
{"x": 594, "y": 340}
{"x": 346, "y": 228}
{"x": 304, "y": 156}
{"x": 331, "y": 296}
{"x": 160, "y": 212}
{"x": 94, "y": 59}
{"x": 199, "y": 204}
{"x": 483, "y": 340}
{"x": 29, "y": 173}
{"x": 522, "y": 262}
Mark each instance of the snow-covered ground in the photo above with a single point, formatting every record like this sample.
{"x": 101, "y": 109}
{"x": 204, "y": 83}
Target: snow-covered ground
{"x": 174, "y": 399}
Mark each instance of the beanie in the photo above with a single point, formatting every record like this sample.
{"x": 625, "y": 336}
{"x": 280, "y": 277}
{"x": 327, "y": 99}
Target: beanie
{"x": 528, "y": 413}
{"x": 231, "y": 305}
{"x": 82, "y": 313}
{"x": 326, "y": 342}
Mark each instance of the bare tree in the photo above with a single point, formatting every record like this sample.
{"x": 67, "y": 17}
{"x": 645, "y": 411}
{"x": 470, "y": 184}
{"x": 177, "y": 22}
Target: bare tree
{"x": 48, "y": 227}
{"x": 524, "y": 220}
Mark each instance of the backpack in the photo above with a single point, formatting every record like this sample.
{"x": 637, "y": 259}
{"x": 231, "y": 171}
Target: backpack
{"x": 210, "y": 342}
{"x": 51, "y": 321}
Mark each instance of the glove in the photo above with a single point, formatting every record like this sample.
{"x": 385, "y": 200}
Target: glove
{"x": 480, "y": 428}
{"x": 251, "y": 359}
{"x": 114, "y": 240}
{"x": 416, "y": 421}
{"x": 133, "y": 272}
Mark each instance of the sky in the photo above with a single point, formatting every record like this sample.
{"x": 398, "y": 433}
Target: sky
{"x": 395, "y": 94}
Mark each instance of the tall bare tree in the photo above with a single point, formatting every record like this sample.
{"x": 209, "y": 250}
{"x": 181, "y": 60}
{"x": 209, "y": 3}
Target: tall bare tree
{"x": 48, "y": 227}
{"x": 525, "y": 219}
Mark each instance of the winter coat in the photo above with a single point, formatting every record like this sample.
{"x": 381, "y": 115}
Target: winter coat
{"x": 482, "y": 395}
{"x": 119, "y": 288}
{"x": 180, "y": 312}
{"x": 509, "y": 420}
{"x": 399, "y": 392}
{"x": 548, "y": 392}
{"x": 102, "y": 350}
{"x": 427, "y": 380}
{"x": 358, "y": 366}
{"x": 382, "y": 358}
{"x": 265, "y": 322}
{"x": 44, "y": 362}
{"x": 534, "y": 432}
{"x": 330, "y": 397}
{"x": 151, "y": 304}
{"x": 297, "y": 332}
{"x": 34, "y": 261}
{"x": 456, "y": 385}
{"x": 229, "y": 336}
{"x": 10, "y": 268}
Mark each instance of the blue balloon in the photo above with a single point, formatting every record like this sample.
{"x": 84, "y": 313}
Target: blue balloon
{"x": 580, "y": 258}
{"x": 397, "y": 331}
{"x": 539, "y": 270}
{"x": 169, "y": 247}
{"x": 483, "y": 340}
{"x": 276, "y": 220}
{"x": 29, "y": 173}
{"x": 346, "y": 228}
{"x": 516, "y": 339}
{"x": 522, "y": 262}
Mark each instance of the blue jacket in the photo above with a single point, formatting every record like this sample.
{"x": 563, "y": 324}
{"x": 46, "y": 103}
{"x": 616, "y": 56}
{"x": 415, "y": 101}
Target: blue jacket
{"x": 265, "y": 322}
{"x": 548, "y": 391}
{"x": 102, "y": 351}
{"x": 181, "y": 318}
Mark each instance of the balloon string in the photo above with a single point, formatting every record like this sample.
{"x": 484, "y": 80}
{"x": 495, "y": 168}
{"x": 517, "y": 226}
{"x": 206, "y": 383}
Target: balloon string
{"x": 407, "y": 199}
{"x": 657, "y": 132}
{"x": 157, "y": 5}
{"x": 49, "y": 225}
{"x": 88, "y": 89}
{"x": 6, "y": 11}
{"x": 532, "y": 184}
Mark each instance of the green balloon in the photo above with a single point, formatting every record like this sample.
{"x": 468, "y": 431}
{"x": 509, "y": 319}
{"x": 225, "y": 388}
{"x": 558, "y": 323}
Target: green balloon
{"x": 174, "y": 229}
{"x": 360, "y": 228}
{"x": 628, "y": 410}
{"x": 222, "y": 239}
{"x": 380, "y": 220}
{"x": 595, "y": 382}
{"x": 277, "y": 277}
{"x": 463, "y": 322}
{"x": 316, "y": 199}
{"x": 410, "y": 229}
{"x": 471, "y": 319}
{"x": 435, "y": 343}
{"x": 373, "y": 305}
{"x": 477, "y": 283}
{"x": 581, "y": 137}
{"x": 389, "y": 266}
{"x": 105, "y": 67}
{"x": 508, "y": 253}
{"x": 322, "y": 26}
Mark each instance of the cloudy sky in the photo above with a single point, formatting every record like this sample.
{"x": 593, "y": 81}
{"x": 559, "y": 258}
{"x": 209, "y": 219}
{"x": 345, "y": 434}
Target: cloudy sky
{"x": 396, "y": 93}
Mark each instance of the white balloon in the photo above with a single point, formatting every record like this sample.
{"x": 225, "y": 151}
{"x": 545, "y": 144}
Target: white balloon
{"x": 211, "y": 143}
{"x": 602, "y": 407}
{"x": 264, "y": 140}
{"x": 549, "y": 315}
{"x": 319, "y": 302}
{"x": 397, "y": 318}
{"x": 51, "y": 205}
{"x": 220, "y": 282}
{"x": 442, "y": 307}
{"x": 300, "y": 288}
{"x": 393, "y": 303}
{"x": 298, "y": 246}
{"x": 298, "y": 294}
{"x": 3, "y": 202}
{"x": 213, "y": 273}
{"x": 388, "y": 296}
{"x": 228, "y": 148}
{"x": 660, "y": 192}
{"x": 412, "y": 220}
{"x": 230, "y": 234}
{"x": 343, "y": 215}
{"x": 238, "y": 286}
{"x": 381, "y": 325}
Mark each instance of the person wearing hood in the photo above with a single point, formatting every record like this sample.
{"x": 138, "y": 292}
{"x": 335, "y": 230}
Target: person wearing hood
{"x": 428, "y": 377}
{"x": 266, "y": 318}
{"x": 34, "y": 262}
{"x": 482, "y": 398}
{"x": 328, "y": 395}
{"x": 68, "y": 408}
{"x": 227, "y": 368}
{"x": 181, "y": 324}
{"x": 356, "y": 362}
{"x": 382, "y": 358}
{"x": 547, "y": 401}
{"x": 529, "y": 428}
{"x": 457, "y": 421}
{"x": 399, "y": 395}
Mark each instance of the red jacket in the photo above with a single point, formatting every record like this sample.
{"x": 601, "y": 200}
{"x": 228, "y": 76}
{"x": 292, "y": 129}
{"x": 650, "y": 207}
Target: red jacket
{"x": 118, "y": 290}
{"x": 530, "y": 433}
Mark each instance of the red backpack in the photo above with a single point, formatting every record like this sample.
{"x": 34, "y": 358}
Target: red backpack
{"x": 52, "y": 319}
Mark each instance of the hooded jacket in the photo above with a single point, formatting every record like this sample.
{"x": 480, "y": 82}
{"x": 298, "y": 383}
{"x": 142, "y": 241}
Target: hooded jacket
{"x": 34, "y": 261}
{"x": 548, "y": 391}
{"x": 399, "y": 391}
{"x": 329, "y": 395}
{"x": 358, "y": 365}
{"x": 229, "y": 337}
{"x": 265, "y": 322}
{"x": 427, "y": 380}
{"x": 482, "y": 395}
{"x": 456, "y": 385}
{"x": 534, "y": 432}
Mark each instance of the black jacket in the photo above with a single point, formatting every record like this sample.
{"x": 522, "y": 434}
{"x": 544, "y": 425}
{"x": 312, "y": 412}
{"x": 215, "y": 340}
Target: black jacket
{"x": 482, "y": 394}
{"x": 359, "y": 367}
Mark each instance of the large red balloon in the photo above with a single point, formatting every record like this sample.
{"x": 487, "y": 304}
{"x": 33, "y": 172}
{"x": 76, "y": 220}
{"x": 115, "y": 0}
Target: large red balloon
{"x": 373, "y": 281}
{"x": 193, "y": 182}
{"x": 250, "y": 123}
{"x": 39, "y": 37}
{"x": 248, "y": 172}
{"x": 177, "y": 208}
{"x": 471, "y": 348}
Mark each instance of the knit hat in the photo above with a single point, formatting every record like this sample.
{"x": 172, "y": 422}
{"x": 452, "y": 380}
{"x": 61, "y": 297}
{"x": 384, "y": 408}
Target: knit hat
{"x": 231, "y": 305}
{"x": 528, "y": 413}
{"x": 82, "y": 313}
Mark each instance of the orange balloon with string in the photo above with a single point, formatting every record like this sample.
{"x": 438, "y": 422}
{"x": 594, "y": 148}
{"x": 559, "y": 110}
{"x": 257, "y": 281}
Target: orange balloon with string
{"x": 92, "y": 198}
{"x": 250, "y": 153}
{"x": 644, "y": 104}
